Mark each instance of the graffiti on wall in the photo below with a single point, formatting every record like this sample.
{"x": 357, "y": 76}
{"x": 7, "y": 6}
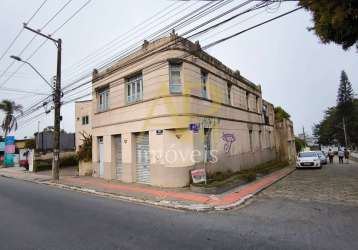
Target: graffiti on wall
{"x": 229, "y": 139}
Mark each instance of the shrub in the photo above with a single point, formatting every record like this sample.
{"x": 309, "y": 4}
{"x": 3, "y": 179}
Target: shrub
{"x": 281, "y": 114}
{"x": 30, "y": 143}
{"x": 84, "y": 152}
{"x": 69, "y": 161}
{"x": 249, "y": 176}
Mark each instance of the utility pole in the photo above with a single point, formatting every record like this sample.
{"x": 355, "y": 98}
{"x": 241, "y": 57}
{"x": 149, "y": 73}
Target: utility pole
{"x": 345, "y": 133}
{"x": 304, "y": 134}
{"x": 57, "y": 104}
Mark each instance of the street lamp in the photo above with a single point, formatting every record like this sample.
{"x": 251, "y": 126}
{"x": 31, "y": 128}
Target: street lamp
{"x": 57, "y": 95}
{"x": 17, "y": 58}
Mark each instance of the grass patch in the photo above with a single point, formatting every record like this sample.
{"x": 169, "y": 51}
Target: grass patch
{"x": 218, "y": 179}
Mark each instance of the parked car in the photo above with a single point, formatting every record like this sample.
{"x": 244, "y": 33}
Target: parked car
{"x": 322, "y": 157}
{"x": 24, "y": 163}
{"x": 309, "y": 159}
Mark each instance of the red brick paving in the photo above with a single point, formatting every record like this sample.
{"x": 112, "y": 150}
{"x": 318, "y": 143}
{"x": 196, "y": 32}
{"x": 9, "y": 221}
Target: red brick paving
{"x": 226, "y": 199}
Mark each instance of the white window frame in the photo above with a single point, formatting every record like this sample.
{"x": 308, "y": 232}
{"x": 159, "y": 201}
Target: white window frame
{"x": 132, "y": 86}
{"x": 175, "y": 88}
{"x": 85, "y": 120}
{"x": 103, "y": 100}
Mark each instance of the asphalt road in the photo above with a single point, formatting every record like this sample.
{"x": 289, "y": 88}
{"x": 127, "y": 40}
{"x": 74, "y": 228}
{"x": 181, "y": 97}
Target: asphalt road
{"x": 34, "y": 216}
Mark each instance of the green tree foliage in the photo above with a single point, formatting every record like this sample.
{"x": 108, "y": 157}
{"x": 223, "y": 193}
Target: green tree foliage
{"x": 300, "y": 144}
{"x": 330, "y": 129}
{"x": 30, "y": 143}
{"x": 334, "y": 20}
{"x": 345, "y": 96}
{"x": 84, "y": 152}
{"x": 281, "y": 114}
{"x": 10, "y": 108}
{"x": 327, "y": 131}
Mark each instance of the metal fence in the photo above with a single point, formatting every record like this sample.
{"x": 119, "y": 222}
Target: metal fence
{"x": 44, "y": 141}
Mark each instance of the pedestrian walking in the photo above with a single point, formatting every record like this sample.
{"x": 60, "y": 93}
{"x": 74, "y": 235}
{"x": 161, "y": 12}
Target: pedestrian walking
{"x": 346, "y": 155}
{"x": 330, "y": 156}
{"x": 340, "y": 155}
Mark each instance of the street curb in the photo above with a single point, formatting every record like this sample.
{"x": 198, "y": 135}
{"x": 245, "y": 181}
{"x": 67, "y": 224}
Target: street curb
{"x": 163, "y": 203}
{"x": 249, "y": 196}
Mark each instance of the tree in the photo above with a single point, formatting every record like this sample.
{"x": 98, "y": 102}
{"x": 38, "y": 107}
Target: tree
{"x": 281, "y": 114}
{"x": 10, "y": 108}
{"x": 30, "y": 143}
{"x": 334, "y": 20}
{"x": 300, "y": 144}
{"x": 345, "y": 95}
{"x": 327, "y": 131}
{"x": 84, "y": 152}
{"x": 345, "y": 99}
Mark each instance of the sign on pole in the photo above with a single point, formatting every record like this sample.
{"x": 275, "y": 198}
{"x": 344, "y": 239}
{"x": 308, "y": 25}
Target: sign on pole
{"x": 198, "y": 175}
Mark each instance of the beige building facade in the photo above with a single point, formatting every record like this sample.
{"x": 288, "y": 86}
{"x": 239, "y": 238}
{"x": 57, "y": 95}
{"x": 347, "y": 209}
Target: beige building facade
{"x": 169, "y": 108}
{"x": 83, "y": 114}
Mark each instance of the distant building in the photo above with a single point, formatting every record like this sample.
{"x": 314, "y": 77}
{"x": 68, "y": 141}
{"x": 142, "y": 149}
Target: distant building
{"x": 83, "y": 124}
{"x": 311, "y": 141}
{"x": 44, "y": 141}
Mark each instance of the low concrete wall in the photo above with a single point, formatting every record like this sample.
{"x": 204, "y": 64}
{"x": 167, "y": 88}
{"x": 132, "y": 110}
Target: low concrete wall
{"x": 171, "y": 177}
{"x": 241, "y": 161}
{"x": 85, "y": 168}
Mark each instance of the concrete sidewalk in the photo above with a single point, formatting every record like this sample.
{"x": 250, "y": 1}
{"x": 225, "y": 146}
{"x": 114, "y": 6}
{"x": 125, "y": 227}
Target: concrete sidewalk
{"x": 173, "y": 198}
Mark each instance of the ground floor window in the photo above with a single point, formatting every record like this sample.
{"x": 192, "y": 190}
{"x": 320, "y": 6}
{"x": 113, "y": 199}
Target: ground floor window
{"x": 207, "y": 144}
{"x": 250, "y": 139}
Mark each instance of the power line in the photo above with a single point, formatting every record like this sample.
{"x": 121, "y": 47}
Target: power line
{"x": 72, "y": 16}
{"x": 136, "y": 44}
{"x": 204, "y": 48}
{"x": 183, "y": 20}
{"x": 151, "y": 52}
{"x": 21, "y": 30}
{"x": 30, "y": 42}
{"x": 22, "y": 91}
{"x": 126, "y": 34}
{"x": 88, "y": 94}
{"x": 253, "y": 27}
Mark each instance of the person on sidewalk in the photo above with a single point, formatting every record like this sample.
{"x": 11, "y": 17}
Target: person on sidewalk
{"x": 340, "y": 155}
{"x": 330, "y": 156}
{"x": 346, "y": 155}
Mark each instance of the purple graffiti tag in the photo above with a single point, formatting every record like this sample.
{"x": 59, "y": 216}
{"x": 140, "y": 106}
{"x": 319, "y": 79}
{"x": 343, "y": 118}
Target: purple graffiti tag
{"x": 229, "y": 139}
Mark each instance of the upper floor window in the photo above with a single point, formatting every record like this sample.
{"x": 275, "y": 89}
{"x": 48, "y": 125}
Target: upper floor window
{"x": 248, "y": 100}
{"x": 204, "y": 79}
{"x": 135, "y": 88}
{"x": 85, "y": 120}
{"x": 265, "y": 114}
{"x": 175, "y": 82}
{"x": 229, "y": 93}
{"x": 103, "y": 99}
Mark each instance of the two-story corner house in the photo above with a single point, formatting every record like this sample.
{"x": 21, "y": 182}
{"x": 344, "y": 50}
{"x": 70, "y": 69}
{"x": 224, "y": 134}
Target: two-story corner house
{"x": 168, "y": 108}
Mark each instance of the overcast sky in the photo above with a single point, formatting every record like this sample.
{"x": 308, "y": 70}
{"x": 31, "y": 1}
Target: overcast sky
{"x": 294, "y": 69}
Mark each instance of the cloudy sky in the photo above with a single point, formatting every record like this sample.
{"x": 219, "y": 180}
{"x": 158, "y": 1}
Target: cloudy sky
{"x": 294, "y": 69}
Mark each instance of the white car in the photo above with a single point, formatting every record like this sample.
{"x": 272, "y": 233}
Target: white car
{"x": 308, "y": 159}
{"x": 323, "y": 157}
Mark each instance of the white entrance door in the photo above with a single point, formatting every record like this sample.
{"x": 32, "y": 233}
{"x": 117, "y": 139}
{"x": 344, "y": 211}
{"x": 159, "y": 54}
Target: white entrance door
{"x": 119, "y": 166}
{"x": 142, "y": 158}
{"x": 101, "y": 156}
